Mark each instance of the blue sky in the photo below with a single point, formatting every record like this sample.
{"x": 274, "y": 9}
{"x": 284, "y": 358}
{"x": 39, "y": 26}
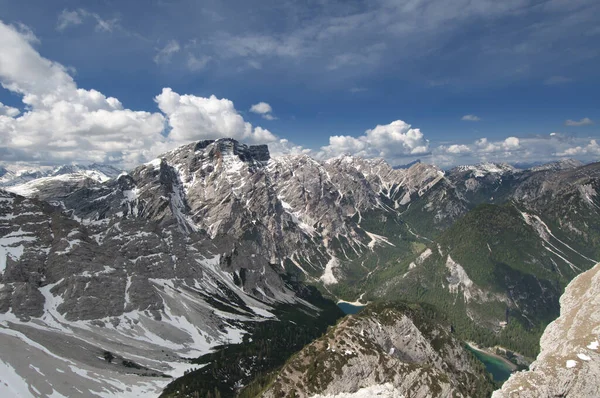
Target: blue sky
{"x": 372, "y": 78}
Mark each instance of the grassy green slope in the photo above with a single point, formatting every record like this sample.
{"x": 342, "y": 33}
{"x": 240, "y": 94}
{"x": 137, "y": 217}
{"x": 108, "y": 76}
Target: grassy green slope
{"x": 512, "y": 272}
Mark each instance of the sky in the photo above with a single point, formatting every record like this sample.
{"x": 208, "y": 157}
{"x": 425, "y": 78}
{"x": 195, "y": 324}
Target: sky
{"x": 445, "y": 81}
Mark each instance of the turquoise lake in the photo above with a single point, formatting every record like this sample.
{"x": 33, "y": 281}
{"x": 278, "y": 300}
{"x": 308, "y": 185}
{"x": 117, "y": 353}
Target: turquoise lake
{"x": 499, "y": 369}
{"x": 349, "y": 309}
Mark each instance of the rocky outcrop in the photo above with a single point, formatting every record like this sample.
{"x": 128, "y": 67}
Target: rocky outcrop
{"x": 569, "y": 362}
{"x": 393, "y": 347}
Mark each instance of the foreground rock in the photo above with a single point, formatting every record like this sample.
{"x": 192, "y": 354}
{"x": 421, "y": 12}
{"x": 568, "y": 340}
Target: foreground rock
{"x": 569, "y": 361}
{"x": 391, "y": 350}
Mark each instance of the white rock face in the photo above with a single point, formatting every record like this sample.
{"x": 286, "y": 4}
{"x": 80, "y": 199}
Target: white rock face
{"x": 569, "y": 362}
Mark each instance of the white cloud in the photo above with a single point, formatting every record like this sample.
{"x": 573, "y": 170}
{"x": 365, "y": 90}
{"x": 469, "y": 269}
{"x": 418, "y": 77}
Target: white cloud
{"x": 69, "y": 18}
{"x": 513, "y": 149}
{"x": 163, "y": 55}
{"x": 284, "y": 147}
{"x": 193, "y": 118}
{"x": 483, "y": 145}
{"x": 455, "y": 149}
{"x": 63, "y": 122}
{"x": 9, "y": 111}
{"x": 511, "y": 143}
{"x": 26, "y": 32}
{"x": 393, "y": 142}
{"x": 470, "y": 118}
{"x": 590, "y": 149}
{"x": 582, "y": 122}
{"x": 263, "y": 109}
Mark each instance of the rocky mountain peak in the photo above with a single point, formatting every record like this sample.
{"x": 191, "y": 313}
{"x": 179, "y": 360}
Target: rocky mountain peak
{"x": 392, "y": 344}
{"x": 229, "y": 146}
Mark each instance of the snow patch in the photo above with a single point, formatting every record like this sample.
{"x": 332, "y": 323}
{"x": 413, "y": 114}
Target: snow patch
{"x": 583, "y": 357}
{"x": 154, "y": 163}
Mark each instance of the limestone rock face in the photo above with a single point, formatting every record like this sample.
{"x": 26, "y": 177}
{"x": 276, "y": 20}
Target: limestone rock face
{"x": 393, "y": 348}
{"x": 569, "y": 362}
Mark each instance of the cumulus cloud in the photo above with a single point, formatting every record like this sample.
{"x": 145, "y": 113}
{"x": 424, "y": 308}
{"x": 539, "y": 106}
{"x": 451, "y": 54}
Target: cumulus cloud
{"x": 455, "y": 149}
{"x": 65, "y": 123}
{"x": 62, "y": 121}
{"x": 9, "y": 111}
{"x": 582, "y": 122}
{"x": 283, "y": 147}
{"x": 192, "y": 118}
{"x": 482, "y": 145}
{"x": 393, "y": 142}
{"x": 263, "y": 109}
{"x": 163, "y": 55}
{"x": 470, "y": 118}
{"x": 590, "y": 149}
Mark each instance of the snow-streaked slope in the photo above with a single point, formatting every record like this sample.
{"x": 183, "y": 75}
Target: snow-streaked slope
{"x": 149, "y": 294}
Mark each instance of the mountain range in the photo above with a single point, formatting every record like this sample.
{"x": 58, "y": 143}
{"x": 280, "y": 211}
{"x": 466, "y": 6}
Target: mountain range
{"x": 199, "y": 248}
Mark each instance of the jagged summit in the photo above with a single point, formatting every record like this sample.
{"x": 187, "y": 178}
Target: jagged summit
{"x": 229, "y": 146}
{"x": 215, "y": 150}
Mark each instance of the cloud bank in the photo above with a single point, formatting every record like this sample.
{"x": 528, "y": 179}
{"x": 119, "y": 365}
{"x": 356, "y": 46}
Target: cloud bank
{"x": 391, "y": 141}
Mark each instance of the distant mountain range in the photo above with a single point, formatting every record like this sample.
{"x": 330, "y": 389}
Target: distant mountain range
{"x": 66, "y": 178}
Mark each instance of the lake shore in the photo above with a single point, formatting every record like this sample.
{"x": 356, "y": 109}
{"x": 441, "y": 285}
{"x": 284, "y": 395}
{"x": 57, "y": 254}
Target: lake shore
{"x": 356, "y": 303}
{"x": 508, "y": 363}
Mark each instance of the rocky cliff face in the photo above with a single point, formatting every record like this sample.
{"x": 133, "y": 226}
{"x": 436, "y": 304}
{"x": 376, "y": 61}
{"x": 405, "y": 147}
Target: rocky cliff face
{"x": 569, "y": 362}
{"x": 394, "y": 348}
